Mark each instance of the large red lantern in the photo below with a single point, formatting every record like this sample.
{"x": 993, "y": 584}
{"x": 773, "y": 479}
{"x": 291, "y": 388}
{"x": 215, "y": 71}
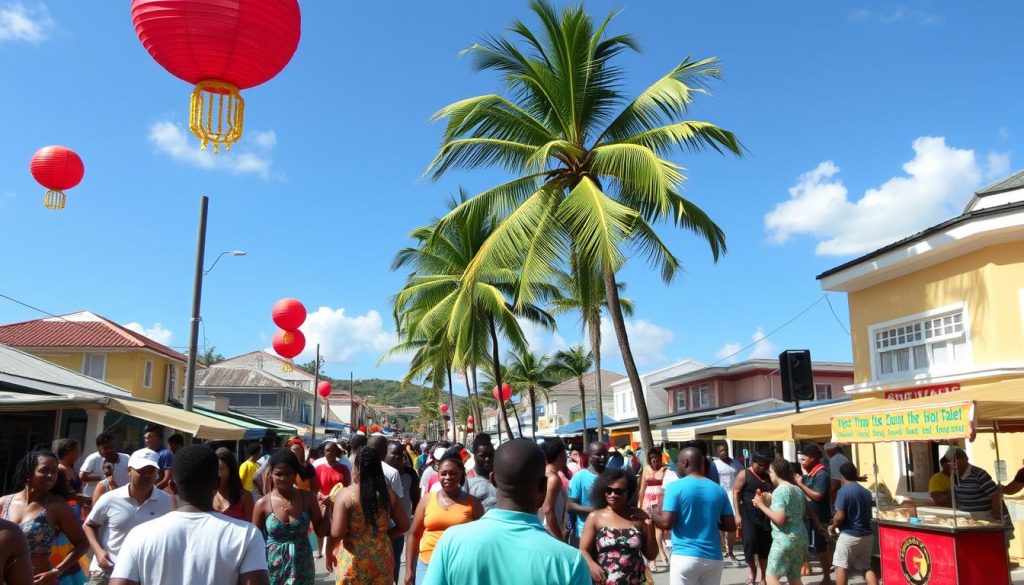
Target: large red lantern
{"x": 324, "y": 389}
{"x": 506, "y": 392}
{"x": 220, "y": 46}
{"x": 288, "y": 314}
{"x": 444, "y": 409}
{"x": 469, "y": 420}
{"x": 289, "y": 344}
{"x": 57, "y": 168}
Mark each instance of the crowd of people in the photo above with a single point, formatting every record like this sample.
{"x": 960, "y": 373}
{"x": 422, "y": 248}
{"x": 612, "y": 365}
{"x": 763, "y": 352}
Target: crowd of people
{"x": 525, "y": 512}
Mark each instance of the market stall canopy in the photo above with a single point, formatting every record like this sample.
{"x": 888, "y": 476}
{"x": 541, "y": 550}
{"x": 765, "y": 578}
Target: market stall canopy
{"x": 809, "y": 424}
{"x": 577, "y": 427}
{"x": 198, "y": 425}
{"x": 20, "y": 402}
{"x": 255, "y": 428}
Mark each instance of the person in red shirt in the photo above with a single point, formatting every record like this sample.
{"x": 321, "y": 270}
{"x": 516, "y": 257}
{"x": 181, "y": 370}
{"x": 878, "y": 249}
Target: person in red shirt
{"x": 328, "y": 475}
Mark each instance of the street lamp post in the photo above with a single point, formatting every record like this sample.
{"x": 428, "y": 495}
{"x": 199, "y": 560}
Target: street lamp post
{"x": 197, "y": 295}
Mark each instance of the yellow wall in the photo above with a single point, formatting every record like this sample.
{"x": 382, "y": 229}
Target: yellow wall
{"x": 987, "y": 280}
{"x": 125, "y": 369}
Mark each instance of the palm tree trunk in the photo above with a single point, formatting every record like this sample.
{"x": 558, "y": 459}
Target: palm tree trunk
{"x": 497, "y": 376}
{"x": 451, "y": 405}
{"x": 615, "y": 310}
{"x": 476, "y": 403}
{"x": 533, "y": 414}
{"x": 583, "y": 401}
{"x": 469, "y": 399}
{"x": 515, "y": 413}
{"x": 595, "y": 348}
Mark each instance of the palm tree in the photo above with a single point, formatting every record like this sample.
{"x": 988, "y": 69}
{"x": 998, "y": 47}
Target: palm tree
{"x": 503, "y": 374}
{"x": 434, "y": 304}
{"x": 591, "y": 174}
{"x": 584, "y": 293}
{"x": 534, "y": 373}
{"x": 210, "y": 356}
{"x": 575, "y": 362}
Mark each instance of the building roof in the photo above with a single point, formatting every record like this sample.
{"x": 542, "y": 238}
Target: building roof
{"x": 82, "y": 330}
{"x": 24, "y": 370}
{"x": 924, "y": 234}
{"x": 241, "y": 378}
{"x": 571, "y": 386}
{"x": 1014, "y": 181}
{"x": 295, "y": 372}
{"x": 747, "y": 367}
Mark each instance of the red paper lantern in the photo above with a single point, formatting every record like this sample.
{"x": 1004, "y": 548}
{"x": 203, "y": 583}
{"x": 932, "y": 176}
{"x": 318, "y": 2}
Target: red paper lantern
{"x": 469, "y": 420}
{"x": 289, "y": 344}
{"x": 444, "y": 409}
{"x": 57, "y": 168}
{"x": 288, "y": 314}
{"x": 220, "y": 46}
{"x": 324, "y": 389}
{"x": 506, "y": 392}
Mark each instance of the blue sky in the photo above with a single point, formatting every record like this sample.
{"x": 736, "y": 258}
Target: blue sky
{"x": 864, "y": 121}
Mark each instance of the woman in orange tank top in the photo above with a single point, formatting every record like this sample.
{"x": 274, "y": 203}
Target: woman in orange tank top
{"x": 436, "y": 512}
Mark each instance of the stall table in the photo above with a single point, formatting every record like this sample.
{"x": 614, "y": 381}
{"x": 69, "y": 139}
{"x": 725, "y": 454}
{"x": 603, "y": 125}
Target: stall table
{"x": 921, "y": 554}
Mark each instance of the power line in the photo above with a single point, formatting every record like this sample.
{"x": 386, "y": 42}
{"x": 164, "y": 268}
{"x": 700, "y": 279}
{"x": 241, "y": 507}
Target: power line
{"x": 836, "y": 316}
{"x": 770, "y": 333}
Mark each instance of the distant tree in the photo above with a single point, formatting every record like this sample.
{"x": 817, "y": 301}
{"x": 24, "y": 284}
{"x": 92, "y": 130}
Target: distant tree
{"x": 311, "y": 367}
{"x": 209, "y": 356}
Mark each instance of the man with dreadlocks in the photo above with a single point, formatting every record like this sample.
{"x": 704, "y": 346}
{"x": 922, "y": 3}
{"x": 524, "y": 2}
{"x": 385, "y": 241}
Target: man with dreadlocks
{"x": 362, "y": 513}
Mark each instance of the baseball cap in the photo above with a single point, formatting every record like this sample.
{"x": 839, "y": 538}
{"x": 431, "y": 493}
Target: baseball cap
{"x": 439, "y": 453}
{"x": 831, "y": 446}
{"x": 143, "y": 458}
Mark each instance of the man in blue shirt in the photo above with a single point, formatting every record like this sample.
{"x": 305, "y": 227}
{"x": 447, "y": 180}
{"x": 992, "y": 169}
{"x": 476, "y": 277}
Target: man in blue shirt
{"x": 579, "y": 489}
{"x": 695, "y": 509}
{"x": 852, "y": 519}
{"x": 509, "y": 545}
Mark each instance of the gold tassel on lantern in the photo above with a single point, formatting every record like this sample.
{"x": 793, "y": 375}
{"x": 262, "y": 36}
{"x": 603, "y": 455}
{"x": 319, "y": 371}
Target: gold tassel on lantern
{"x": 54, "y": 199}
{"x": 216, "y": 113}
{"x": 288, "y": 366}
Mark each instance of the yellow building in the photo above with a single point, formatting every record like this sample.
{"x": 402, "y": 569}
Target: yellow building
{"x": 940, "y": 311}
{"x": 99, "y": 348}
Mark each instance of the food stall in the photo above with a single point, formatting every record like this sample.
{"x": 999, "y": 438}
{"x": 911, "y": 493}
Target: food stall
{"x": 929, "y": 546}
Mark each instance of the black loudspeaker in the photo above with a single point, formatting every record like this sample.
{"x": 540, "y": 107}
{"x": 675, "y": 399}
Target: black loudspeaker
{"x": 797, "y": 378}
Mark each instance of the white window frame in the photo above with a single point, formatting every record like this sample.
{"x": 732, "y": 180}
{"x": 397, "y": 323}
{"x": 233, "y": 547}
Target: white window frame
{"x": 932, "y": 368}
{"x": 827, "y": 386}
{"x": 680, "y": 394}
{"x": 697, "y": 394}
{"x": 86, "y": 361}
{"x": 147, "y": 374}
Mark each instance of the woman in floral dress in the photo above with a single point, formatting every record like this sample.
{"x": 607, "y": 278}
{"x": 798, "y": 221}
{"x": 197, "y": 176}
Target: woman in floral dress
{"x": 361, "y": 515}
{"x": 616, "y": 536}
{"x": 784, "y": 507}
{"x": 284, "y": 515}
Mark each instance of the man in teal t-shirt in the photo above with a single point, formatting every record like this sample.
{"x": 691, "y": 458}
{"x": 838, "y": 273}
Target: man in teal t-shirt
{"x": 579, "y": 489}
{"x": 695, "y": 509}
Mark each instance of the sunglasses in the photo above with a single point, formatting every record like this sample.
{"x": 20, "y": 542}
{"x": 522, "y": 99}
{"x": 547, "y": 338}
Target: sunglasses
{"x": 617, "y": 491}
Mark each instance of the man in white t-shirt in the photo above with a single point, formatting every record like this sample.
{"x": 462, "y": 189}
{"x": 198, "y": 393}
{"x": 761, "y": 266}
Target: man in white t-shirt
{"x": 119, "y": 511}
{"x": 193, "y": 544}
{"x": 727, "y": 468}
{"x": 92, "y": 468}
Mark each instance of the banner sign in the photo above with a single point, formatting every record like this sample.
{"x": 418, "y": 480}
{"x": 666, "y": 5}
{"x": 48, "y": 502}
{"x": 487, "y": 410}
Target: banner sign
{"x": 948, "y": 421}
{"x": 911, "y": 393}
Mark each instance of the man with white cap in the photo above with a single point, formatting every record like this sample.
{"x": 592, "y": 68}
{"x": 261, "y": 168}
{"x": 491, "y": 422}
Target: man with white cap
{"x": 120, "y": 510}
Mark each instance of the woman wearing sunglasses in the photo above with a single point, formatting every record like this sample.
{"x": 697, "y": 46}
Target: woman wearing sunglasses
{"x": 617, "y": 535}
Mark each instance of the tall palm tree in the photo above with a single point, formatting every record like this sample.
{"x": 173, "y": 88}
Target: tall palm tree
{"x": 575, "y": 362}
{"x": 503, "y": 374}
{"x": 591, "y": 174}
{"x": 533, "y": 373}
{"x": 584, "y": 293}
{"x": 441, "y": 301}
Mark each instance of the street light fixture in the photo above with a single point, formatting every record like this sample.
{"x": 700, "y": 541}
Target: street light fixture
{"x": 197, "y": 294}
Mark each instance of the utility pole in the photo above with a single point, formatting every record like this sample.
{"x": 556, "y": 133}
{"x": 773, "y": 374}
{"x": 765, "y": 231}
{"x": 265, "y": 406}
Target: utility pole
{"x": 197, "y": 295}
{"x": 316, "y": 395}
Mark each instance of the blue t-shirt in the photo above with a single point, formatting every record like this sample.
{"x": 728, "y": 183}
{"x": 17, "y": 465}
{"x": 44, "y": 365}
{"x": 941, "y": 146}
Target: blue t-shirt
{"x": 579, "y": 490}
{"x": 165, "y": 458}
{"x": 855, "y": 501}
{"x": 699, "y": 505}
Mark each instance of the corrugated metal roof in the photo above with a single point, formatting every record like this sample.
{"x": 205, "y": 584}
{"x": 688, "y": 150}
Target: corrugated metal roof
{"x": 224, "y": 377}
{"x": 80, "y": 330}
{"x": 571, "y": 386}
{"x": 1014, "y": 181}
{"x": 17, "y": 365}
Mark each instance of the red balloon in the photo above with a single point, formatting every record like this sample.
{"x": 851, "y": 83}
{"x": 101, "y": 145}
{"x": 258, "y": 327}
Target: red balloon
{"x": 242, "y": 42}
{"x": 506, "y": 392}
{"x": 469, "y": 419}
{"x": 57, "y": 167}
{"x": 289, "y": 344}
{"x": 288, "y": 314}
{"x": 444, "y": 408}
{"x": 324, "y": 389}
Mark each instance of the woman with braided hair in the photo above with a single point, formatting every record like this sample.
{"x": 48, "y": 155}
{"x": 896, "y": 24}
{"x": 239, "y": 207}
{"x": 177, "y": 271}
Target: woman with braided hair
{"x": 362, "y": 513}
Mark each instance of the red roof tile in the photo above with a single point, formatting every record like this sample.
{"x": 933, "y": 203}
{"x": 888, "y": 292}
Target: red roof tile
{"x": 98, "y": 333}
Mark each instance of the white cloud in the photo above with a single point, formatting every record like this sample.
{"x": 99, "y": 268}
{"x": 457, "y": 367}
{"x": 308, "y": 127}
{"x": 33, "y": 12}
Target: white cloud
{"x": 898, "y": 14}
{"x": 342, "y": 337}
{"x": 763, "y": 349}
{"x": 171, "y": 139}
{"x": 729, "y": 353}
{"x": 157, "y": 332}
{"x": 647, "y": 340}
{"x": 19, "y": 23}
{"x": 997, "y": 165}
{"x": 938, "y": 181}
{"x": 540, "y": 340}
